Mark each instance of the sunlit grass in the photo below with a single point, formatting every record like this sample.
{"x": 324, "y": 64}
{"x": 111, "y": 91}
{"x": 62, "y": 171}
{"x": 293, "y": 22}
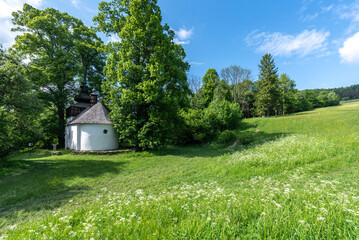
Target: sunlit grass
{"x": 297, "y": 179}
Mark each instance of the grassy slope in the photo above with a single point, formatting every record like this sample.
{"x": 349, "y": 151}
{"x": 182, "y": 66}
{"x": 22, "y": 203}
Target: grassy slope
{"x": 297, "y": 179}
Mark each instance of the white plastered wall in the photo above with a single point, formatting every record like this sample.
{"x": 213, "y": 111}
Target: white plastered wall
{"x": 72, "y": 139}
{"x": 91, "y": 137}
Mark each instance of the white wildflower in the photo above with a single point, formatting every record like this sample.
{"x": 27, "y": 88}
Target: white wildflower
{"x": 12, "y": 227}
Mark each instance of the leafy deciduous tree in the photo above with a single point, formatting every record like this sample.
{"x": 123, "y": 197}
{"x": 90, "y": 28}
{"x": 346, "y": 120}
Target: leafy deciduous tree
{"x": 60, "y": 48}
{"x": 146, "y": 73}
{"x": 234, "y": 75}
{"x": 287, "y": 90}
{"x": 19, "y": 105}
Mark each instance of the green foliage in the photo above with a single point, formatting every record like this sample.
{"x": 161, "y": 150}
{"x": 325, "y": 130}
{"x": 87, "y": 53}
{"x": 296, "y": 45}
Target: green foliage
{"x": 280, "y": 181}
{"x": 60, "y": 48}
{"x": 209, "y": 83}
{"x": 246, "y": 97}
{"x": 194, "y": 129}
{"x": 226, "y": 136}
{"x": 301, "y": 103}
{"x": 235, "y": 75}
{"x": 287, "y": 92}
{"x": 312, "y": 97}
{"x": 203, "y": 125}
{"x": 223, "y": 115}
{"x": 268, "y": 92}
{"x": 328, "y": 98}
{"x": 19, "y": 105}
{"x": 222, "y": 92}
{"x": 351, "y": 92}
{"x": 146, "y": 73}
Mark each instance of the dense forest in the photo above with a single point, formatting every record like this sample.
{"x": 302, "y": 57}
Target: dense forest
{"x": 142, "y": 80}
{"x": 345, "y": 93}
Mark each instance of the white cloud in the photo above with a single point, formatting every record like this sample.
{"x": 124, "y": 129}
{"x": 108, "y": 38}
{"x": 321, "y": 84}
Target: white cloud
{"x": 76, "y": 3}
{"x": 183, "y": 35}
{"x": 7, "y": 38}
{"x": 328, "y": 8}
{"x": 9, "y": 6}
{"x": 351, "y": 13}
{"x": 79, "y": 5}
{"x": 281, "y": 44}
{"x": 176, "y": 41}
{"x": 308, "y": 18}
{"x": 114, "y": 38}
{"x": 349, "y": 53}
{"x": 196, "y": 63}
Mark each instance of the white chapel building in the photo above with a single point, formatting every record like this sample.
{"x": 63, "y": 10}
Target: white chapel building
{"x": 89, "y": 127}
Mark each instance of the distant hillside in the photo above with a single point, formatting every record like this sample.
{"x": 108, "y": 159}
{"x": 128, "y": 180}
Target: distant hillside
{"x": 345, "y": 93}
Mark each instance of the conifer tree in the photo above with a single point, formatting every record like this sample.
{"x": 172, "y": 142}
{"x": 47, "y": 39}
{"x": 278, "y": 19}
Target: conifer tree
{"x": 268, "y": 93}
{"x": 209, "y": 83}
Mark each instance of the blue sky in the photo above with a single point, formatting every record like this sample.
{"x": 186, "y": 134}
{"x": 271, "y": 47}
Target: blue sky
{"x": 315, "y": 42}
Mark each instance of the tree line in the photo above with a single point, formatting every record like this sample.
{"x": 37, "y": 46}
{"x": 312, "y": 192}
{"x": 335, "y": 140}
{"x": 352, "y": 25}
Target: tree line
{"x": 233, "y": 95}
{"x": 345, "y": 93}
{"x": 142, "y": 80}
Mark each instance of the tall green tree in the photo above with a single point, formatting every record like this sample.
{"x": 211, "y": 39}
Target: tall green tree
{"x": 268, "y": 93}
{"x": 312, "y": 97}
{"x": 61, "y": 49}
{"x": 287, "y": 91}
{"x": 146, "y": 73}
{"x": 19, "y": 105}
{"x": 246, "y": 90}
{"x": 209, "y": 83}
{"x": 234, "y": 75}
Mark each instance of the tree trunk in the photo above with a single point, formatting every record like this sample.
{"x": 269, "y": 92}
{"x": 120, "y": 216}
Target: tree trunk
{"x": 60, "y": 104}
{"x": 61, "y": 127}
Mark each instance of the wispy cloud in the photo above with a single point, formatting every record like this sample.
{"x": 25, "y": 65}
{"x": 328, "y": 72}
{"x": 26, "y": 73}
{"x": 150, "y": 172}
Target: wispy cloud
{"x": 9, "y": 6}
{"x": 349, "y": 12}
{"x": 183, "y": 35}
{"x": 349, "y": 52}
{"x": 79, "y": 5}
{"x": 281, "y": 44}
{"x": 76, "y": 3}
{"x": 309, "y": 17}
{"x": 196, "y": 63}
{"x": 176, "y": 41}
{"x": 7, "y": 38}
{"x": 328, "y": 8}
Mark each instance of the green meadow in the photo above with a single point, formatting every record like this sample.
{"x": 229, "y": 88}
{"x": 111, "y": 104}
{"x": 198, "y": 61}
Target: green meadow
{"x": 290, "y": 177}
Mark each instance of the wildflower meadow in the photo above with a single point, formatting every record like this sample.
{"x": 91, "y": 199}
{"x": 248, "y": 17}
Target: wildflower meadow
{"x": 296, "y": 179}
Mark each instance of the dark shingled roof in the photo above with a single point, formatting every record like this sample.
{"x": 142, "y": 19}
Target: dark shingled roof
{"x": 97, "y": 114}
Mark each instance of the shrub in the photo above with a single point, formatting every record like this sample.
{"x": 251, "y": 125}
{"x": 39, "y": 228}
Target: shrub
{"x": 245, "y": 138}
{"x": 226, "y": 136}
{"x": 203, "y": 125}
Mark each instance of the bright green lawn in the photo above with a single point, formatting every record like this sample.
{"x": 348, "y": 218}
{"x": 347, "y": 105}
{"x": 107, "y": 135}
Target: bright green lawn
{"x": 298, "y": 179}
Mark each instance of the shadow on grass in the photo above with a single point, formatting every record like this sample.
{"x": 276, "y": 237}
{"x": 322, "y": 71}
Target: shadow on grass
{"x": 46, "y": 184}
{"x": 246, "y": 134}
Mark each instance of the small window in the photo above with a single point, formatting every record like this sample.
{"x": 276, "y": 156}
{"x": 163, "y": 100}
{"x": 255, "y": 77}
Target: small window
{"x": 105, "y": 131}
